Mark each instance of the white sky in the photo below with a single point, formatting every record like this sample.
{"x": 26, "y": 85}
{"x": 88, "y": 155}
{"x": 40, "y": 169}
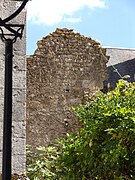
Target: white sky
{"x": 49, "y": 12}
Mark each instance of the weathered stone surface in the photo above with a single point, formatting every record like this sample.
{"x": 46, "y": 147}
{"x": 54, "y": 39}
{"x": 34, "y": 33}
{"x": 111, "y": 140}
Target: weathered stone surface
{"x": 64, "y": 71}
{"x": 7, "y": 7}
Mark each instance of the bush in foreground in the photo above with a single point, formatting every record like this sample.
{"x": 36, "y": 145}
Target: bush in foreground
{"x": 104, "y": 148}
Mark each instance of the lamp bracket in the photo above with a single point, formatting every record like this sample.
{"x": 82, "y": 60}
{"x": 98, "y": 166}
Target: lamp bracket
{"x": 15, "y": 30}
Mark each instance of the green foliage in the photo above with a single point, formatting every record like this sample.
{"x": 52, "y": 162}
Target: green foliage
{"x": 40, "y": 162}
{"x": 103, "y": 149}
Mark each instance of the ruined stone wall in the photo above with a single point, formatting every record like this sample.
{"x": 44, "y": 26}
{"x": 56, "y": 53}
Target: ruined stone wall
{"x": 19, "y": 86}
{"x": 64, "y": 71}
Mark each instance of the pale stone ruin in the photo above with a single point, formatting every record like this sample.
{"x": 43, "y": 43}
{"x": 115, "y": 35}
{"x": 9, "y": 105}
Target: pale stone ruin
{"x": 64, "y": 71}
{"x": 19, "y": 92}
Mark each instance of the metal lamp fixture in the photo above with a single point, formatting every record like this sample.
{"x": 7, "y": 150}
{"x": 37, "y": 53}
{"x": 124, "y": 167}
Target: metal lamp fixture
{"x": 13, "y": 31}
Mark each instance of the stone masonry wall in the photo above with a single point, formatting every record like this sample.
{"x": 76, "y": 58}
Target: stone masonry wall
{"x": 19, "y": 87}
{"x": 64, "y": 71}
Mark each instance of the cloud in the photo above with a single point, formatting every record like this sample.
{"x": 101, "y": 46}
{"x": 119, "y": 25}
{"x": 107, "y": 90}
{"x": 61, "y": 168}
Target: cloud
{"x": 72, "y": 20}
{"x": 50, "y": 12}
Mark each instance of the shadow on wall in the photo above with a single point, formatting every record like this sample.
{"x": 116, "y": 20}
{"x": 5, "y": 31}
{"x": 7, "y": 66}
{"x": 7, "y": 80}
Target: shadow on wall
{"x": 124, "y": 68}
